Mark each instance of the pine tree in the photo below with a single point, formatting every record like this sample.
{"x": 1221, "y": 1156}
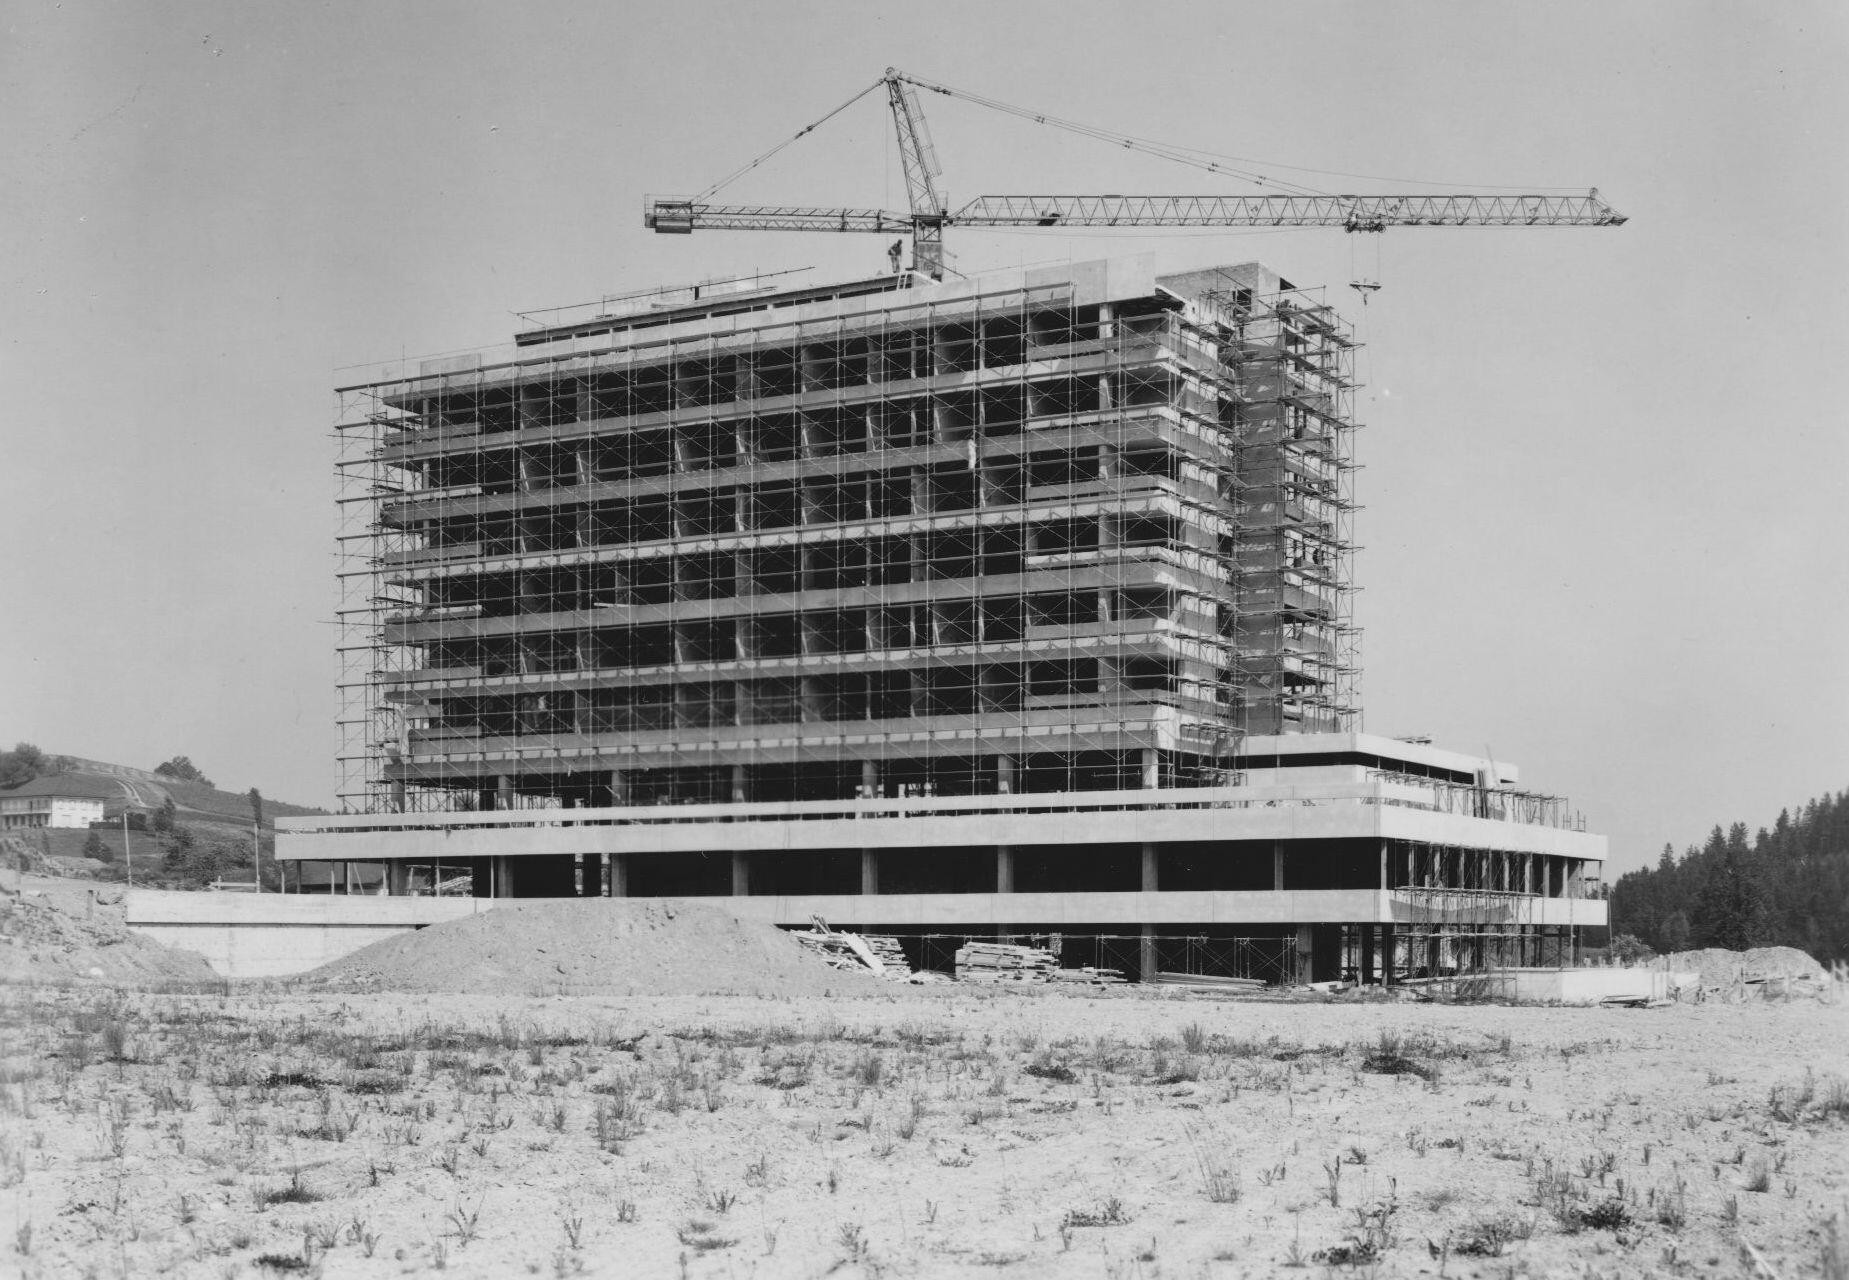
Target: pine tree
{"x": 1786, "y": 885}
{"x": 1728, "y": 910}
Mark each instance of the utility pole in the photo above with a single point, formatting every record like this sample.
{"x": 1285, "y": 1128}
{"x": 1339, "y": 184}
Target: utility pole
{"x": 256, "y": 839}
{"x": 128, "y": 863}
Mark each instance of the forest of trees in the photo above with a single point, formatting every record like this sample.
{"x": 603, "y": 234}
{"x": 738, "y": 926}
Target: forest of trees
{"x": 1787, "y": 886}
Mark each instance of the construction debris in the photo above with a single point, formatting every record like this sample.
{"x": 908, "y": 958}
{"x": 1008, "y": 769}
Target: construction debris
{"x": 1089, "y": 974}
{"x": 879, "y": 954}
{"x": 1002, "y": 962}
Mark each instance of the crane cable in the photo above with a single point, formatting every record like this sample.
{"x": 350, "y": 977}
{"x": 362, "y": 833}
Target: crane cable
{"x": 1189, "y": 156}
{"x": 1192, "y": 156}
{"x": 742, "y": 170}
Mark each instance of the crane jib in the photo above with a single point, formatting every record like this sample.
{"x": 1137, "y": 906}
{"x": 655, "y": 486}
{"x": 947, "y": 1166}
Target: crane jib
{"x": 1351, "y": 213}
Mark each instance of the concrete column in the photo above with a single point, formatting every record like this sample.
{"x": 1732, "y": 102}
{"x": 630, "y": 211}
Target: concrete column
{"x": 1146, "y": 954}
{"x": 346, "y": 878}
{"x": 1107, "y": 329}
{"x": 619, "y": 788}
{"x": 1388, "y": 954}
{"x": 1367, "y": 951}
{"x": 741, "y": 874}
{"x": 503, "y": 792}
{"x": 1004, "y": 869}
{"x": 1277, "y": 866}
{"x": 1382, "y": 882}
{"x": 1152, "y": 769}
{"x": 742, "y": 578}
{"x": 619, "y": 875}
{"x": 502, "y": 877}
{"x": 739, "y": 788}
{"x": 1306, "y": 949}
{"x": 869, "y": 872}
{"x": 869, "y": 778}
{"x": 397, "y": 879}
{"x": 1149, "y": 868}
{"x": 1004, "y": 774}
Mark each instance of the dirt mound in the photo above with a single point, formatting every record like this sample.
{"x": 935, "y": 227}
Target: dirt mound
{"x": 597, "y": 946}
{"x": 1721, "y": 967}
{"x": 62, "y": 931}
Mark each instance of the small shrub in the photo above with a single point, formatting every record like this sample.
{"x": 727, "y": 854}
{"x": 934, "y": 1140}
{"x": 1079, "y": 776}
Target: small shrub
{"x": 1489, "y": 1237}
{"x": 1109, "y": 1214}
{"x": 1607, "y": 1215}
{"x": 698, "y": 1234}
{"x": 465, "y": 1224}
{"x": 1350, "y": 1253}
{"x": 1044, "y": 1067}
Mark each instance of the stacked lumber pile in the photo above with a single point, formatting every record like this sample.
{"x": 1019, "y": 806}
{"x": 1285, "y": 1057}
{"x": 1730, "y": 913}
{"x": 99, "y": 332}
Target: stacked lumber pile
{"x": 890, "y": 954}
{"x": 1090, "y": 975}
{"x": 879, "y": 954}
{"x": 1001, "y": 962}
{"x": 1208, "y": 983}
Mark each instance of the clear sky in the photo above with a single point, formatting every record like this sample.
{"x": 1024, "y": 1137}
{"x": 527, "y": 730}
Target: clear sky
{"x": 1604, "y": 479}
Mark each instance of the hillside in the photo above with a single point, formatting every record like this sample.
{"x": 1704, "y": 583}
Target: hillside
{"x": 217, "y": 821}
{"x": 124, "y": 787}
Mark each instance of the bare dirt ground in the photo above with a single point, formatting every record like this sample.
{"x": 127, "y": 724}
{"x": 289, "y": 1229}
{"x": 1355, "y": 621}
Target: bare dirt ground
{"x": 914, "y": 1133}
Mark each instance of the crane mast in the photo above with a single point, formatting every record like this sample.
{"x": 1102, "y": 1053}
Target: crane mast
{"x": 919, "y": 159}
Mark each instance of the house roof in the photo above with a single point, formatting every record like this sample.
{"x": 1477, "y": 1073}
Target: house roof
{"x": 68, "y": 786}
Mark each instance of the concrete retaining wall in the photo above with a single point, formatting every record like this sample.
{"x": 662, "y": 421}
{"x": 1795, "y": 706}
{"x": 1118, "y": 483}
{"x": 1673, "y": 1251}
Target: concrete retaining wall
{"x": 273, "y": 935}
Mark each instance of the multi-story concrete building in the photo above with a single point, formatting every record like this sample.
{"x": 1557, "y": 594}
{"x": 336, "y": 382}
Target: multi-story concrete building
{"x": 1013, "y": 604}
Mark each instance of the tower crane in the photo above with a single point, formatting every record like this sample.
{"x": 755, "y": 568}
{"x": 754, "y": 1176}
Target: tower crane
{"x": 930, "y": 214}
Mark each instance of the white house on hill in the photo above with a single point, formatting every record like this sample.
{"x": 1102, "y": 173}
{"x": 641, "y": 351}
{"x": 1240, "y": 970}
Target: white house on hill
{"x": 56, "y": 800}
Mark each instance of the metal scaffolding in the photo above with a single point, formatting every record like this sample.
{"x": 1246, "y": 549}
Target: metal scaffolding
{"x": 870, "y": 540}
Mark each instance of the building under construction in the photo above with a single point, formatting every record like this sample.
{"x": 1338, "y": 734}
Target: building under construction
{"x": 1011, "y": 606}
